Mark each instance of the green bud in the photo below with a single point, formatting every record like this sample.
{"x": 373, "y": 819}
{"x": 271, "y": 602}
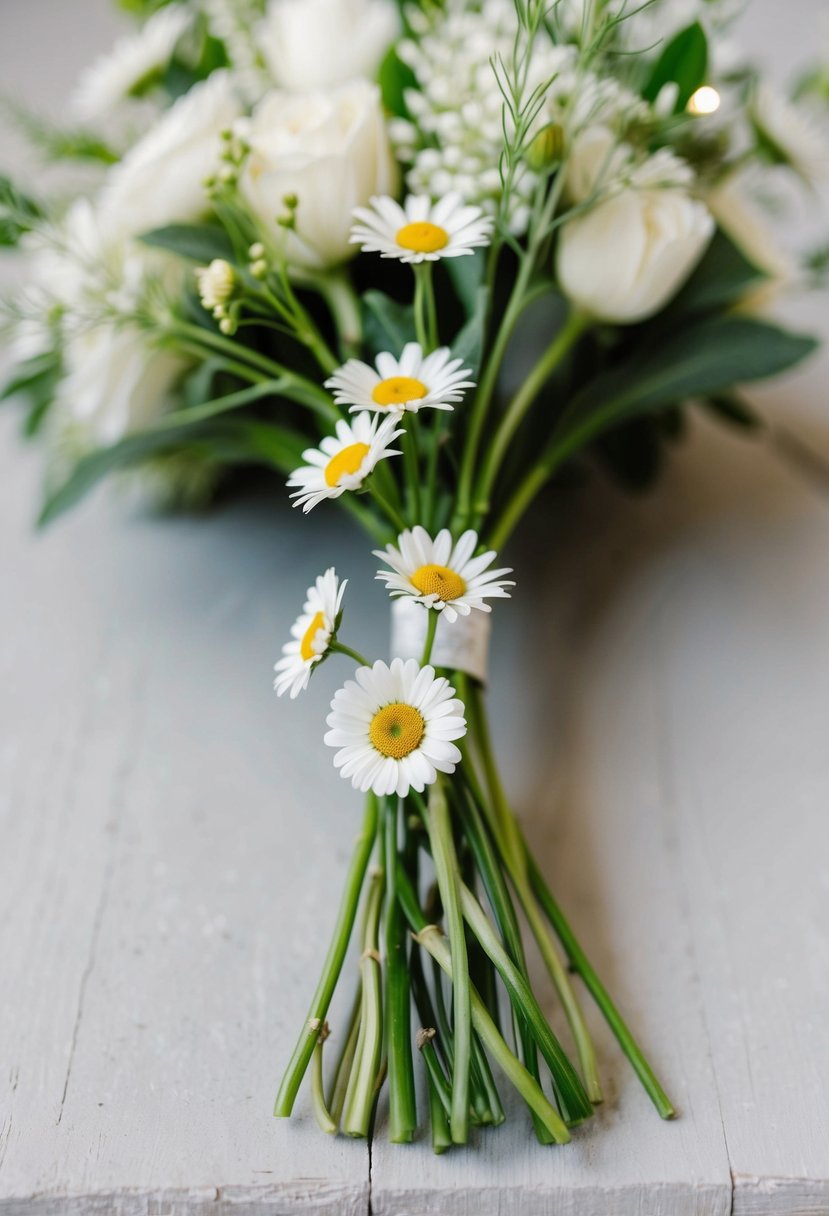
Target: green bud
{"x": 547, "y": 148}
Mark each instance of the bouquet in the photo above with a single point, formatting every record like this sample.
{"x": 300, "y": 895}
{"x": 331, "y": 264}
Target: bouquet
{"x": 419, "y": 260}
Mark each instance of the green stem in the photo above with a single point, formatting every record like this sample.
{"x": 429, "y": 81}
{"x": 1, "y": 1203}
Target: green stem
{"x": 362, "y": 1087}
{"x": 442, "y": 845}
{"x": 321, "y": 1112}
{"x": 516, "y": 862}
{"x": 402, "y": 1107}
{"x": 344, "y": 306}
{"x": 341, "y": 648}
{"x": 486, "y": 389}
{"x": 333, "y": 963}
{"x": 409, "y": 444}
{"x": 563, "y": 342}
{"x": 521, "y": 995}
{"x": 425, "y": 309}
{"x": 430, "y": 939}
{"x": 597, "y": 990}
{"x": 392, "y": 514}
{"x": 431, "y": 628}
{"x": 346, "y": 1060}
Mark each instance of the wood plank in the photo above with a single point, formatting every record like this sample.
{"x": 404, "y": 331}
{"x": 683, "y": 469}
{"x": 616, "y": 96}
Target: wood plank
{"x": 171, "y": 843}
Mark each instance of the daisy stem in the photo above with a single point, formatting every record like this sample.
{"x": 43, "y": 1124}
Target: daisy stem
{"x": 344, "y": 306}
{"x": 346, "y": 1060}
{"x": 341, "y": 648}
{"x": 439, "y": 827}
{"x": 431, "y": 627}
{"x": 321, "y": 1112}
{"x": 333, "y": 963}
{"x": 392, "y": 514}
{"x": 425, "y": 309}
{"x": 583, "y": 966}
{"x": 362, "y": 1087}
{"x": 516, "y": 861}
{"x": 565, "y": 339}
{"x": 431, "y": 939}
{"x": 409, "y": 444}
{"x": 402, "y": 1107}
{"x": 486, "y": 388}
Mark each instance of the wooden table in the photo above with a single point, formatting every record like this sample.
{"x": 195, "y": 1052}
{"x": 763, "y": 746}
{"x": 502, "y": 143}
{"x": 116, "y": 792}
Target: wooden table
{"x": 173, "y": 840}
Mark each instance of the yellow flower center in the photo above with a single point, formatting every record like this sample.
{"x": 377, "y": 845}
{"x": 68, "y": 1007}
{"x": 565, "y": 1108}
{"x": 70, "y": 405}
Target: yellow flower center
{"x": 306, "y": 646}
{"x": 397, "y": 390}
{"x": 345, "y": 462}
{"x": 439, "y": 581}
{"x": 396, "y": 730}
{"x": 422, "y": 237}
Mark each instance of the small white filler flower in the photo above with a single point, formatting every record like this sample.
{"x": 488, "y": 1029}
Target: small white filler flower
{"x": 343, "y": 461}
{"x": 216, "y": 283}
{"x": 442, "y": 576}
{"x": 420, "y": 231}
{"x": 310, "y": 635}
{"x": 395, "y": 727}
{"x": 407, "y": 384}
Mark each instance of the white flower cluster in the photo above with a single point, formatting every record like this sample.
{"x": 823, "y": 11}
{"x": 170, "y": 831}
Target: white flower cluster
{"x": 456, "y": 137}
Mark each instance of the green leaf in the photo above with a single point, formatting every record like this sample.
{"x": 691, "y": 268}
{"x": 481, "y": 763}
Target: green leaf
{"x": 684, "y": 61}
{"x": 198, "y": 242}
{"x": 698, "y": 361}
{"x": 181, "y": 427}
{"x": 468, "y": 344}
{"x": 28, "y": 373}
{"x": 18, "y": 212}
{"x": 467, "y": 275}
{"x": 731, "y": 408}
{"x": 723, "y": 278}
{"x": 387, "y": 325}
{"x": 394, "y": 78}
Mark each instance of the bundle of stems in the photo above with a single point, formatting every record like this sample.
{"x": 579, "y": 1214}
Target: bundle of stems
{"x": 443, "y": 972}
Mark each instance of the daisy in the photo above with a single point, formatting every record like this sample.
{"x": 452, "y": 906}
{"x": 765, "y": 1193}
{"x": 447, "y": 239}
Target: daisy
{"x": 420, "y": 231}
{"x": 343, "y": 461}
{"x": 311, "y": 634}
{"x": 440, "y": 576}
{"x": 408, "y": 384}
{"x": 132, "y": 63}
{"x": 395, "y": 726}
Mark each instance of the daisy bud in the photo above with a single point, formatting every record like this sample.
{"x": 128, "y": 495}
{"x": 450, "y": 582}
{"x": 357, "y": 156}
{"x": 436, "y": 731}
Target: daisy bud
{"x": 256, "y": 251}
{"x": 546, "y": 148}
{"x": 227, "y": 325}
{"x": 259, "y": 268}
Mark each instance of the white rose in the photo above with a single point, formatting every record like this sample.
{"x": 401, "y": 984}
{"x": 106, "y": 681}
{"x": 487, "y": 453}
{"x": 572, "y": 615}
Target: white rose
{"x": 330, "y": 150}
{"x": 161, "y": 179}
{"x": 749, "y": 228}
{"x": 625, "y": 258}
{"x": 116, "y": 383}
{"x": 313, "y": 44}
{"x": 595, "y": 160}
{"x": 791, "y": 134}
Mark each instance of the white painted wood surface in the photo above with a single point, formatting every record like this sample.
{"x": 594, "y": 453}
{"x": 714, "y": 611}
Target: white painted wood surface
{"x": 662, "y": 696}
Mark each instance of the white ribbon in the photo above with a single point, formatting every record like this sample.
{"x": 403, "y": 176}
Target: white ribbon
{"x": 463, "y": 645}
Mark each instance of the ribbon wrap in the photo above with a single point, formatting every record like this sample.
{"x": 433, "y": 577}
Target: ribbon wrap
{"x": 463, "y": 645}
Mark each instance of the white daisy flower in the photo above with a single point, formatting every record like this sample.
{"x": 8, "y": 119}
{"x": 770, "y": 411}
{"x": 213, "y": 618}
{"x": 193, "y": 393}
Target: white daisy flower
{"x": 310, "y": 635}
{"x": 440, "y": 576}
{"x": 343, "y": 461}
{"x": 395, "y": 727}
{"x": 409, "y": 383}
{"x": 420, "y": 231}
{"x": 133, "y": 61}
